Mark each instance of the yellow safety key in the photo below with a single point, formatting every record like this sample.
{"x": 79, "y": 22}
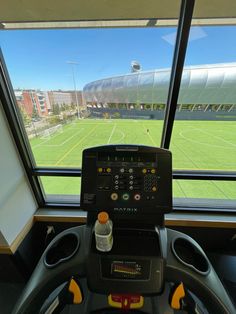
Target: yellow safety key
{"x": 75, "y": 290}
{"x": 178, "y": 294}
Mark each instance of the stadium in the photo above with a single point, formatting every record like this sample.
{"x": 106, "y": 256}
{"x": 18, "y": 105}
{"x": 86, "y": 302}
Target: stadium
{"x": 207, "y": 92}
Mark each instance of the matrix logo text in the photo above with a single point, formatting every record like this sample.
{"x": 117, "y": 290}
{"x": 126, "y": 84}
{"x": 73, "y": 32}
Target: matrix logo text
{"x": 126, "y": 209}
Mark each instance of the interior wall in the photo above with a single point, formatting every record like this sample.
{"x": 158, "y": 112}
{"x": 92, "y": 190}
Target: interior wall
{"x": 17, "y": 203}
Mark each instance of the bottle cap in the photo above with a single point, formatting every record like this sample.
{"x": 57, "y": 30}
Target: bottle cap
{"x": 103, "y": 217}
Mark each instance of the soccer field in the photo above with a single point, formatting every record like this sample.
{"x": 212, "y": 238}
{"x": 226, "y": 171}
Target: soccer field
{"x": 195, "y": 145}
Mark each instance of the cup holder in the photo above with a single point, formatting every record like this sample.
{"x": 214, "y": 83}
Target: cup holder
{"x": 190, "y": 255}
{"x": 62, "y": 250}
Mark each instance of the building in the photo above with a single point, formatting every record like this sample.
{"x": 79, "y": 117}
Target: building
{"x": 203, "y": 88}
{"x": 32, "y": 101}
{"x": 42, "y": 102}
{"x": 79, "y": 97}
{"x": 60, "y": 98}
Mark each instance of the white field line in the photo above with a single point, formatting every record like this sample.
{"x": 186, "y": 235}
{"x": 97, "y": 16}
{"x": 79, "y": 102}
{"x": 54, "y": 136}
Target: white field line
{"x": 202, "y": 143}
{"x": 76, "y": 145}
{"x": 217, "y": 137}
{"x": 51, "y": 138}
{"x": 113, "y": 129}
{"x": 67, "y": 140}
{"x": 149, "y": 136}
{"x": 122, "y": 136}
{"x": 45, "y": 141}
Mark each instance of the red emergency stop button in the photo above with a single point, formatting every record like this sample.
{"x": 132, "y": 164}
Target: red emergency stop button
{"x": 126, "y": 301}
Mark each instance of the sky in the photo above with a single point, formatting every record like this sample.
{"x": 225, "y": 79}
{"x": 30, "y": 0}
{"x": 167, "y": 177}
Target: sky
{"x": 38, "y": 59}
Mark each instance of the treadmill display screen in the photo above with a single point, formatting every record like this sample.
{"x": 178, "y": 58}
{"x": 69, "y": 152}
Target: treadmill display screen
{"x": 125, "y": 269}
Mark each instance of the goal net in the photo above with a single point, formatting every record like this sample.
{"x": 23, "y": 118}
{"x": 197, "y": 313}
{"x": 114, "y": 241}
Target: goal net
{"x": 49, "y": 132}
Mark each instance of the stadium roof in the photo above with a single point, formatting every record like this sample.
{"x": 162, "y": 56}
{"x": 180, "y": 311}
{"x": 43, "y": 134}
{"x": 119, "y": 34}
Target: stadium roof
{"x": 202, "y": 84}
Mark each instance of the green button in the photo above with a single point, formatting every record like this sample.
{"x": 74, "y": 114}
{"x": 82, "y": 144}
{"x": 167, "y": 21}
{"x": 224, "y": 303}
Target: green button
{"x": 125, "y": 197}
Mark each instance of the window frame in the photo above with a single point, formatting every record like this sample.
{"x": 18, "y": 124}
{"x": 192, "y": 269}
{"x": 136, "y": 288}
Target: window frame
{"x": 33, "y": 172}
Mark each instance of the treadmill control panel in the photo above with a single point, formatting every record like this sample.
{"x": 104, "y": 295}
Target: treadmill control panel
{"x": 126, "y": 179}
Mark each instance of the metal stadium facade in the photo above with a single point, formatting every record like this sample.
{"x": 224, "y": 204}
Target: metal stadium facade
{"x": 201, "y": 85}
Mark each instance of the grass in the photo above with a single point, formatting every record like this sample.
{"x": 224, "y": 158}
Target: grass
{"x": 205, "y": 145}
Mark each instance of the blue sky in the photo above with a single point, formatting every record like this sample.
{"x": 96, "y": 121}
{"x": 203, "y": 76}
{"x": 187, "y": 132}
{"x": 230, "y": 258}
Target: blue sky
{"x": 37, "y": 58}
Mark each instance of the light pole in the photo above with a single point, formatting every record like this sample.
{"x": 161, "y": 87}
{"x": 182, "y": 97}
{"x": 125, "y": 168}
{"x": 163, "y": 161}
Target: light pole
{"x": 73, "y": 75}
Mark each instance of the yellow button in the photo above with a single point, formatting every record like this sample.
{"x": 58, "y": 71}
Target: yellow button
{"x": 75, "y": 290}
{"x": 153, "y": 171}
{"x": 178, "y": 294}
{"x": 108, "y": 170}
{"x": 99, "y": 169}
{"x": 114, "y": 196}
{"x": 137, "y": 305}
{"x": 144, "y": 170}
{"x": 114, "y": 303}
{"x": 154, "y": 189}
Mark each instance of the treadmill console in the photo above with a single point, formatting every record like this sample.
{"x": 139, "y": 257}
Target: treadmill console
{"x": 132, "y": 183}
{"x": 127, "y": 179}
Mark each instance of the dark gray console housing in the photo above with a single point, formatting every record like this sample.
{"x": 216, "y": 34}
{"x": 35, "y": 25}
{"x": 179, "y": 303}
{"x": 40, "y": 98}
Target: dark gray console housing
{"x": 127, "y": 179}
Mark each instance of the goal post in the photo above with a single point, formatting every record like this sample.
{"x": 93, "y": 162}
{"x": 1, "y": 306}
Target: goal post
{"x": 49, "y": 132}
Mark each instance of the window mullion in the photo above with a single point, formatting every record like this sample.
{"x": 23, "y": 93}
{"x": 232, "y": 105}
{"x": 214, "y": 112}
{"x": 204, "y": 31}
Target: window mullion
{"x": 183, "y": 30}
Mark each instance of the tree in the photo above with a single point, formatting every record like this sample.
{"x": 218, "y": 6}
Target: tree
{"x": 53, "y": 120}
{"x": 116, "y": 115}
{"x": 25, "y": 116}
{"x": 55, "y": 109}
{"x": 73, "y": 106}
{"x": 106, "y": 115}
{"x": 65, "y": 107}
{"x": 147, "y": 106}
{"x": 35, "y": 114}
{"x": 137, "y": 106}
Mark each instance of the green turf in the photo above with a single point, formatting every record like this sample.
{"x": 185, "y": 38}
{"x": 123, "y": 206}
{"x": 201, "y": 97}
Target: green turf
{"x": 204, "y": 145}
{"x": 209, "y": 145}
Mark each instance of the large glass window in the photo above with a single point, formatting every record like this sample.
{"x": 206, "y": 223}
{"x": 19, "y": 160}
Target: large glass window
{"x": 61, "y": 189}
{"x": 205, "y": 124}
{"x": 197, "y": 189}
{"x": 203, "y": 136}
{"x": 77, "y": 88}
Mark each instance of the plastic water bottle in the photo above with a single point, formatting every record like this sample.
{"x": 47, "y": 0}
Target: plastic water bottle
{"x": 103, "y": 232}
